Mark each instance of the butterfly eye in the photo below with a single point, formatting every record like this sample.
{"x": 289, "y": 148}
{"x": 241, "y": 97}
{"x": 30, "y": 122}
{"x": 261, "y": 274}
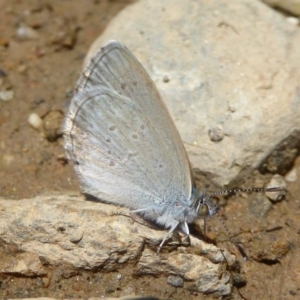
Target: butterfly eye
{"x": 203, "y": 210}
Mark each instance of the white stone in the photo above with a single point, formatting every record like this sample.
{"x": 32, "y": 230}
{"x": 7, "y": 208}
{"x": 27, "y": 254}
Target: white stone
{"x": 291, "y": 176}
{"x": 276, "y": 181}
{"x": 227, "y": 66}
{"x": 293, "y": 20}
{"x": 27, "y": 33}
{"x": 35, "y": 121}
{"x": 6, "y": 95}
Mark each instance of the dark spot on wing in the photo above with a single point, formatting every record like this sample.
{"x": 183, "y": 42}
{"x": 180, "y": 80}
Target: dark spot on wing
{"x": 108, "y": 140}
{"x": 112, "y": 128}
{"x": 134, "y": 136}
{"x": 111, "y": 163}
{"x": 134, "y": 83}
{"x": 123, "y": 86}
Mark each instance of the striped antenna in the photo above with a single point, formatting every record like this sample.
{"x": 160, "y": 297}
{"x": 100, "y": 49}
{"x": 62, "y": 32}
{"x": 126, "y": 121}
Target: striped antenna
{"x": 280, "y": 189}
{"x": 250, "y": 190}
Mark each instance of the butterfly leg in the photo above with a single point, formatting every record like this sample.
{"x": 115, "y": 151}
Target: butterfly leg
{"x": 185, "y": 229}
{"x": 167, "y": 236}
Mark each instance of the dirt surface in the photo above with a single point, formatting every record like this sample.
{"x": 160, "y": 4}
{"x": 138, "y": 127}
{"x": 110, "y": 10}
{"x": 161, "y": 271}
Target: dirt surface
{"x": 38, "y": 70}
{"x": 41, "y": 69}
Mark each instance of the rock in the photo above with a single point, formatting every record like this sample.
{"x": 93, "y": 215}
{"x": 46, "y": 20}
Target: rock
{"x": 246, "y": 89}
{"x": 176, "y": 281}
{"x": 293, "y": 20}
{"x": 52, "y": 125}
{"x": 291, "y": 176}
{"x": 35, "y": 121}
{"x": 216, "y": 134}
{"x": 2, "y": 73}
{"x": 65, "y": 32}
{"x": 6, "y": 95}
{"x": 27, "y": 33}
{"x": 25, "y": 264}
{"x": 277, "y": 180}
{"x": 66, "y": 229}
{"x": 200, "y": 274}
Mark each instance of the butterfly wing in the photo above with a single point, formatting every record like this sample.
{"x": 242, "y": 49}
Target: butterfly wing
{"x": 121, "y": 136}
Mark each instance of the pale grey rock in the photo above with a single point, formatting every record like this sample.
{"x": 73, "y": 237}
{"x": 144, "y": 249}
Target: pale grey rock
{"x": 276, "y": 180}
{"x": 26, "y": 33}
{"x": 292, "y": 6}
{"x": 216, "y": 134}
{"x": 85, "y": 234}
{"x": 293, "y": 20}
{"x": 176, "y": 281}
{"x": 6, "y": 95}
{"x": 292, "y": 175}
{"x": 228, "y": 64}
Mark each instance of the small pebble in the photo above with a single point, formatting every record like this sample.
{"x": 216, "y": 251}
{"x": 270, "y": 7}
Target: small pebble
{"x": 166, "y": 79}
{"x": 291, "y": 176}
{"x": 35, "y": 121}
{"x": 239, "y": 280}
{"x": 38, "y": 101}
{"x": 175, "y": 281}
{"x": 6, "y": 95}
{"x": 276, "y": 181}
{"x": 52, "y": 125}
{"x": 22, "y": 69}
{"x": 216, "y": 134}
{"x": 2, "y": 73}
{"x": 4, "y": 43}
{"x": 27, "y": 33}
{"x": 293, "y": 20}
{"x": 76, "y": 236}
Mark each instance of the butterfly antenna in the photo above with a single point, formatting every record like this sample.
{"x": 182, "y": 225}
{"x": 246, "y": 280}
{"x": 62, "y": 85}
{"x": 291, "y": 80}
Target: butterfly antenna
{"x": 280, "y": 189}
{"x": 250, "y": 190}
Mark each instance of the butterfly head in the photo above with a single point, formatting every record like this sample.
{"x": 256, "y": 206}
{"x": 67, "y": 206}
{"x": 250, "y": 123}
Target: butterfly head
{"x": 204, "y": 206}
